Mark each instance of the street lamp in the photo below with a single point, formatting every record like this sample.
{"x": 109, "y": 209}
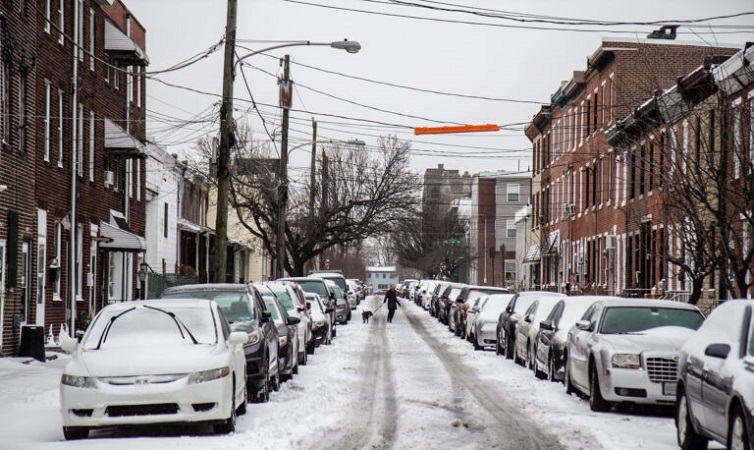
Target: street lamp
{"x": 226, "y": 124}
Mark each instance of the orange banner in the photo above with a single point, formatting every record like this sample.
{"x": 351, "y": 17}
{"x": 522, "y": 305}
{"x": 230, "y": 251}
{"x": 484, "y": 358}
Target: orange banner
{"x": 456, "y": 129}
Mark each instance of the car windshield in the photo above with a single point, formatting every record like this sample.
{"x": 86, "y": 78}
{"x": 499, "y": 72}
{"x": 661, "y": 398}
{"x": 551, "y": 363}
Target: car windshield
{"x": 234, "y": 305}
{"x": 272, "y": 307}
{"x": 633, "y": 319}
{"x": 285, "y": 299}
{"x": 314, "y": 286}
{"x": 149, "y": 326}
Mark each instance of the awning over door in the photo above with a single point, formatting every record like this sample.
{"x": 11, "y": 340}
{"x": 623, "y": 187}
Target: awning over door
{"x": 119, "y": 142}
{"x": 123, "y": 48}
{"x": 553, "y": 242}
{"x": 119, "y": 239}
{"x": 533, "y": 255}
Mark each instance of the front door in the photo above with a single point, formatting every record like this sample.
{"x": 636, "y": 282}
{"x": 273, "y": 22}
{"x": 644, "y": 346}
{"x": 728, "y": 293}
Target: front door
{"x": 41, "y": 266}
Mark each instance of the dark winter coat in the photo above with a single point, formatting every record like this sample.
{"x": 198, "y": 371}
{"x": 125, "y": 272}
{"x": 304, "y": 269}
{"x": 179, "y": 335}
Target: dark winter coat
{"x": 392, "y": 299}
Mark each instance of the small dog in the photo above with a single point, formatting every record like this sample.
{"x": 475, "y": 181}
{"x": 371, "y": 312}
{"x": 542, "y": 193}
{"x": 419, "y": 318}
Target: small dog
{"x": 365, "y": 315}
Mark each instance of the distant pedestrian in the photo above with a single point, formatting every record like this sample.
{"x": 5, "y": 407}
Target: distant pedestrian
{"x": 391, "y": 298}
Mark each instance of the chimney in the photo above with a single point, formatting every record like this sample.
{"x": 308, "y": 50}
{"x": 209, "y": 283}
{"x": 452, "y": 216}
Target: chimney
{"x": 441, "y": 166}
{"x": 665, "y": 32}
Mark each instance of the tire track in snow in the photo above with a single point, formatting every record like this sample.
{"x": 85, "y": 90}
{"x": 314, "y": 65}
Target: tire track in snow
{"x": 513, "y": 430}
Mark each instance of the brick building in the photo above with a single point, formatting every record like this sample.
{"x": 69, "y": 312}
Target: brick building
{"x": 73, "y": 113}
{"x": 585, "y": 205}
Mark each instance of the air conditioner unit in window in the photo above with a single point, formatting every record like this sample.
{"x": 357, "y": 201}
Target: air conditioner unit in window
{"x": 109, "y": 178}
{"x": 611, "y": 242}
{"x": 568, "y": 209}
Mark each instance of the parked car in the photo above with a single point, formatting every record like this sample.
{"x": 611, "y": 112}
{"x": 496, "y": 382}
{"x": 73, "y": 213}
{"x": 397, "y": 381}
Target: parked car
{"x": 476, "y": 306}
{"x": 715, "y": 399}
{"x": 322, "y": 328}
{"x": 340, "y": 281}
{"x": 485, "y": 333}
{"x": 342, "y": 310}
{"x": 424, "y": 292}
{"x": 447, "y": 301}
{"x": 318, "y": 286}
{"x": 294, "y": 301}
{"x": 246, "y": 311}
{"x": 553, "y": 335}
{"x": 287, "y": 334}
{"x": 626, "y": 351}
{"x": 154, "y": 361}
{"x": 352, "y": 293}
{"x": 460, "y": 308}
{"x": 527, "y": 328}
{"x": 506, "y": 324}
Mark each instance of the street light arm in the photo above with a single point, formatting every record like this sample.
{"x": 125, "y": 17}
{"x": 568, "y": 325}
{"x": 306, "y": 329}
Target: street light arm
{"x": 349, "y": 46}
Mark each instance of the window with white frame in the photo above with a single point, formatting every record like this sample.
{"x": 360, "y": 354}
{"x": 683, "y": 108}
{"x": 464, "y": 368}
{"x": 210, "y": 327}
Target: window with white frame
{"x": 751, "y": 131}
{"x": 61, "y": 22}
{"x": 510, "y": 228}
{"x": 138, "y": 80}
{"x": 80, "y": 142}
{"x": 91, "y": 39}
{"x": 22, "y": 125}
{"x": 737, "y": 138}
{"x": 80, "y": 31}
{"x": 612, "y": 96}
{"x": 129, "y": 85}
{"x": 91, "y": 145}
{"x": 57, "y": 252}
{"x": 138, "y": 180}
{"x": 4, "y": 96}
{"x": 513, "y": 190}
{"x": 48, "y": 89}
{"x": 48, "y": 17}
{"x": 79, "y": 265}
{"x": 60, "y": 128}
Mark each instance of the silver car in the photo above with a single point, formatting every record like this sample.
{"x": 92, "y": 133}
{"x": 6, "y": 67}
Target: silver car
{"x": 626, "y": 351}
{"x": 485, "y": 328}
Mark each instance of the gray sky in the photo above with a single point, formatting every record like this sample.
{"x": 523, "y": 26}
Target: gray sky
{"x": 498, "y": 74}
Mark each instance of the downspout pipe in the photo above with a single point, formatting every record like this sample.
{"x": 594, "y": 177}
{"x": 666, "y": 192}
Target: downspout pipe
{"x": 74, "y": 163}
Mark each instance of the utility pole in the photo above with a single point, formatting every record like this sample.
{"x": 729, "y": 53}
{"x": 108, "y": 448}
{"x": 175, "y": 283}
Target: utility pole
{"x": 312, "y": 175}
{"x": 283, "y": 188}
{"x": 226, "y": 141}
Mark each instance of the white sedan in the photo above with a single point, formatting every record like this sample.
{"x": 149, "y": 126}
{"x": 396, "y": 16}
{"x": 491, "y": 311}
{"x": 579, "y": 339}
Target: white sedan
{"x": 154, "y": 361}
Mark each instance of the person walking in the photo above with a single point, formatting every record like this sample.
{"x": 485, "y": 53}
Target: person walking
{"x": 391, "y": 298}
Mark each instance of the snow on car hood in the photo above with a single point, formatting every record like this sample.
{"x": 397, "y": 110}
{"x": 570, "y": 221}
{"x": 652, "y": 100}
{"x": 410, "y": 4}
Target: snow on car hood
{"x": 656, "y": 339}
{"x": 128, "y": 361}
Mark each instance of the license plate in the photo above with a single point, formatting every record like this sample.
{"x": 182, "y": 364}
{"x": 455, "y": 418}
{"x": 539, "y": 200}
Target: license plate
{"x": 669, "y": 388}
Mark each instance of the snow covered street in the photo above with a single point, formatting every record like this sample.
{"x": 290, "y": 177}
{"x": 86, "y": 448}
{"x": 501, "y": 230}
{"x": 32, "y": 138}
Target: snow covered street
{"x": 409, "y": 384}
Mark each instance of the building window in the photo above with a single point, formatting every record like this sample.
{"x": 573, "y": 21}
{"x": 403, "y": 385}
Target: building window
{"x": 58, "y": 242}
{"x": 48, "y": 18}
{"x": 612, "y": 96}
{"x": 632, "y": 180}
{"x": 642, "y": 169}
{"x": 107, "y": 70}
{"x": 138, "y": 80}
{"x": 595, "y": 111}
{"x": 603, "y": 109}
{"x": 166, "y": 222}
{"x": 661, "y": 150}
{"x": 737, "y": 138}
{"x": 91, "y": 39}
{"x": 5, "y": 104}
{"x": 588, "y": 116}
{"x": 651, "y": 164}
{"x": 22, "y": 125}
{"x": 129, "y": 85}
{"x": 80, "y": 31}
{"x": 138, "y": 180}
{"x": 510, "y": 226}
{"x": 513, "y": 190}
{"x": 80, "y": 142}
{"x": 48, "y": 88}
{"x": 60, "y": 128}
{"x": 79, "y": 266}
{"x": 91, "y": 145}
{"x": 751, "y": 129}
{"x": 61, "y": 22}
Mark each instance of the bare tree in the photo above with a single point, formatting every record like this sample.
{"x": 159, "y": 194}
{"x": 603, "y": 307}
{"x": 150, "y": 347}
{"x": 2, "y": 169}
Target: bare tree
{"x": 358, "y": 194}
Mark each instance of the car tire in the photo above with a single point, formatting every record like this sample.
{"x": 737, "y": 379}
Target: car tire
{"x": 476, "y": 344}
{"x": 498, "y": 349}
{"x": 275, "y": 381}
{"x": 294, "y": 371}
{"x": 310, "y": 347}
{"x": 75, "y": 433}
{"x": 569, "y": 387}
{"x": 550, "y": 368}
{"x": 241, "y": 410}
{"x": 596, "y": 402}
{"x": 263, "y": 396}
{"x": 304, "y": 357}
{"x": 509, "y": 347}
{"x": 688, "y": 439}
{"x": 228, "y": 425}
{"x": 738, "y": 436}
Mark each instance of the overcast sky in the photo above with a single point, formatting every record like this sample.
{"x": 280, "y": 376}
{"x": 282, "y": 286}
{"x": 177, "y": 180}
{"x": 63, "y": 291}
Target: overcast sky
{"x": 497, "y": 71}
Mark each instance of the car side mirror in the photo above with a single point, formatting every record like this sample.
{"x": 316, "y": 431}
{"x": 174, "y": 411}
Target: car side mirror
{"x": 546, "y": 325}
{"x": 475, "y": 309}
{"x": 68, "y": 344}
{"x": 717, "y": 351}
{"x": 293, "y": 320}
{"x": 584, "y": 325}
{"x": 308, "y": 305}
{"x": 528, "y": 318}
{"x": 239, "y": 337}
{"x": 266, "y": 316}
{"x": 509, "y": 309}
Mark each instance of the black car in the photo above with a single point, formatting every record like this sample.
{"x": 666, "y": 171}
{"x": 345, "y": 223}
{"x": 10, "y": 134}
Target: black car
{"x": 246, "y": 311}
{"x": 287, "y": 326}
{"x": 506, "y": 324}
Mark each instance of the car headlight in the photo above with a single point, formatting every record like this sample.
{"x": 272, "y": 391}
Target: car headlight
{"x": 208, "y": 375}
{"x": 283, "y": 340}
{"x": 626, "y": 361}
{"x": 255, "y": 336}
{"x": 79, "y": 381}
